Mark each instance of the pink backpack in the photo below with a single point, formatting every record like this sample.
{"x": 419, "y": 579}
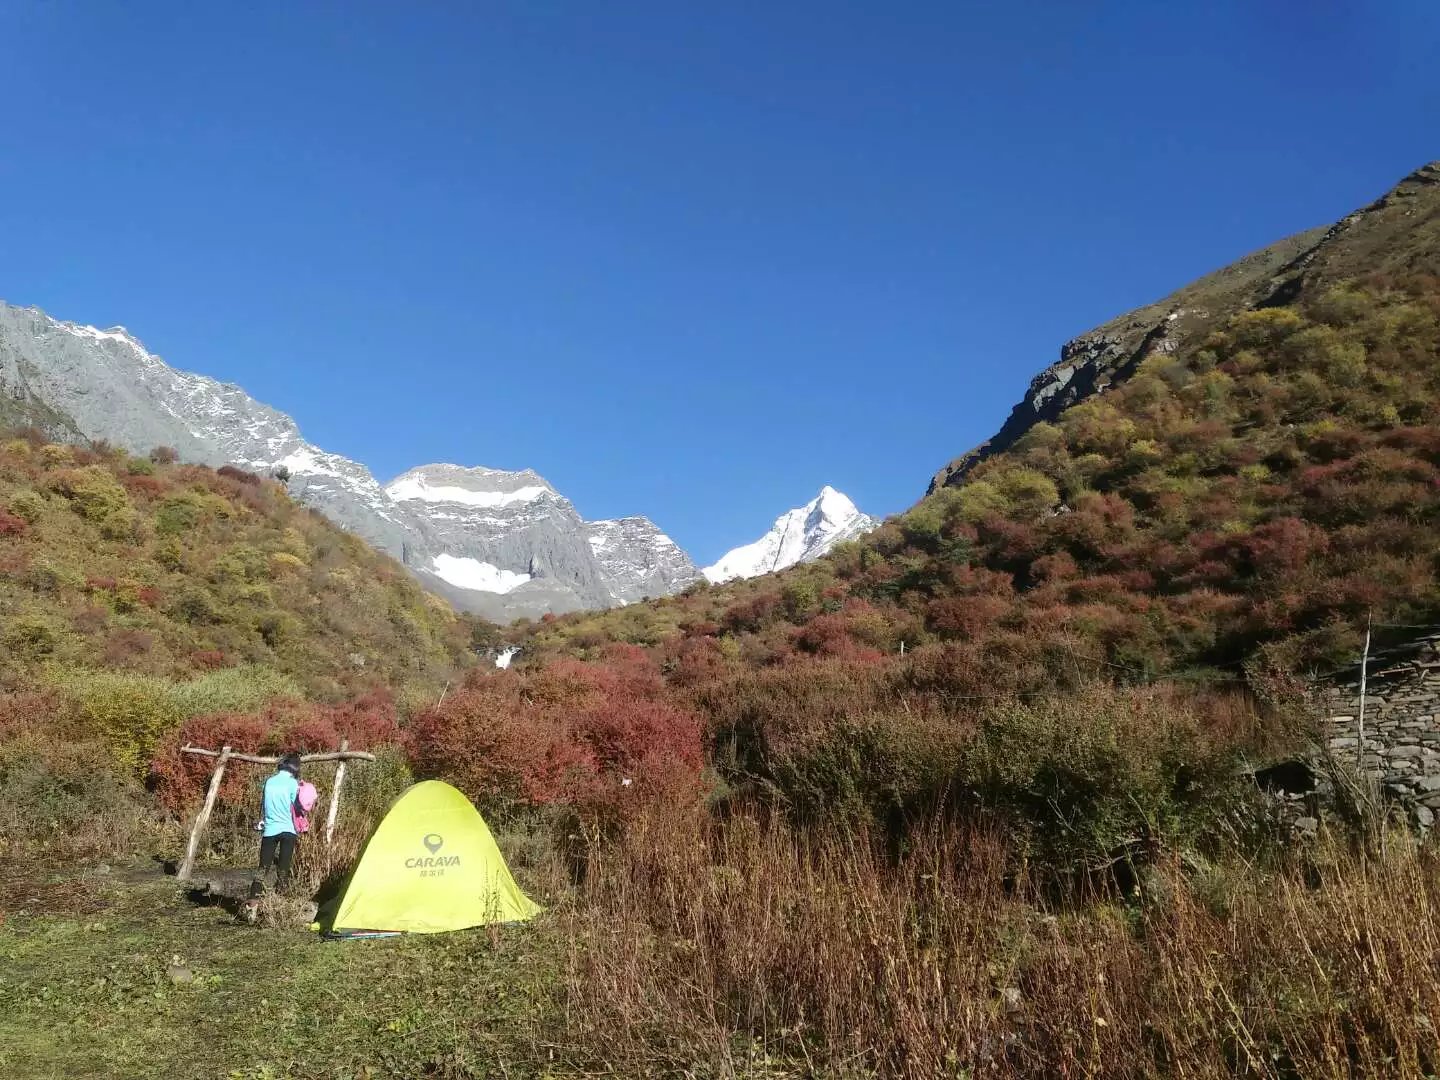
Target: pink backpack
{"x": 305, "y": 800}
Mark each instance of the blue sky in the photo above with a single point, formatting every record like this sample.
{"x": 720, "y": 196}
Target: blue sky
{"x": 686, "y": 260}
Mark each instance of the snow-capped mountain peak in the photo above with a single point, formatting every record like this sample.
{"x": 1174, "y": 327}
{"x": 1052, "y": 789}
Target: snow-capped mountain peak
{"x": 798, "y": 535}
{"x": 511, "y": 534}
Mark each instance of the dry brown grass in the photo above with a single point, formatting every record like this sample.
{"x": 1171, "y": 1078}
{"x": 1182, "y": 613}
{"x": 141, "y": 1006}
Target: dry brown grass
{"x": 733, "y": 949}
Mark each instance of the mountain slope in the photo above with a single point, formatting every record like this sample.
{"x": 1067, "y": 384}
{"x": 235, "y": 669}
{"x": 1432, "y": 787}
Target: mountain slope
{"x": 79, "y": 383}
{"x": 799, "y": 535}
{"x": 1245, "y": 491}
{"x": 1394, "y": 234}
{"x": 111, "y": 561}
{"x": 106, "y": 385}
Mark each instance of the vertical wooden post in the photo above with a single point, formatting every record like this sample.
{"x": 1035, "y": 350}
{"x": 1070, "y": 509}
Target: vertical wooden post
{"x": 335, "y": 795}
{"x": 1360, "y": 725}
{"x": 198, "y": 830}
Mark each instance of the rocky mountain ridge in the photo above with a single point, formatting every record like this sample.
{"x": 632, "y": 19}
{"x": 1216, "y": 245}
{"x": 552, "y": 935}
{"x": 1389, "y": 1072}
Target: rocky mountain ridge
{"x": 509, "y": 544}
{"x": 1381, "y": 237}
{"x": 506, "y": 545}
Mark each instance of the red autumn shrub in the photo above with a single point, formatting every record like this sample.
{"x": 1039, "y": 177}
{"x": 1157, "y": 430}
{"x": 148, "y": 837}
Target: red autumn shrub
{"x": 90, "y": 619}
{"x": 369, "y": 722}
{"x": 125, "y": 646}
{"x": 694, "y": 660}
{"x": 240, "y": 476}
{"x": 149, "y": 487}
{"x": 965, "y": 616}
{"x": 209, "y": 659}
{"x": 830, "y": 635}
{"x": 29, "y": 711}
{"x": 751, "y": 614}
{"x": 601, "y": 737}
{"x": 12, "y": 524}
{"x": 488, "y": 740}
{"x": 178, "y": 779}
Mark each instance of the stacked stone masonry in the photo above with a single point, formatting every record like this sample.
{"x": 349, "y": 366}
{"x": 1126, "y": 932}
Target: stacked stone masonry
{"x": 1401, "y": 749}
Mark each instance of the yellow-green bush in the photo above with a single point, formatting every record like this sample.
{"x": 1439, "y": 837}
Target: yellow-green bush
{"x": 92, "y": 491}
{"x": 65, "y": 797}
{"x": 28, "y": 504}
{"x": 237, "y": 689}
{"x": 132, "y": 713}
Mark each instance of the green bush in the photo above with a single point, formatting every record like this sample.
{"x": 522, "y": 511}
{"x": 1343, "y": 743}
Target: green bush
{"x": 28, "y": 504}
{"x": 371, "y": 788}
{"x": 237, "y": 689}
{"x": 130, "y": 712}
{"x": 92, "y": 491}
{"x": 65, "y": 797}
{"x": 1100, "y": 776}
{"x": 32, "y": 636}
{"x": 122, "y": 526}
{"x": 869, "y": 766}
{"x": 177, "y": 515}
{"x": 195, "y": 605}
{"x": 133, "y": 713}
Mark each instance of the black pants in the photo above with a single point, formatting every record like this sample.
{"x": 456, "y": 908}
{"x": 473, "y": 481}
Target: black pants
{"x": 283, "y": 844}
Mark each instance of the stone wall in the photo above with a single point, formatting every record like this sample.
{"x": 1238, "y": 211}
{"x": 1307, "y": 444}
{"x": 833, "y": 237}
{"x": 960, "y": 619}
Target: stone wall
{"x": 1401, "y": 752}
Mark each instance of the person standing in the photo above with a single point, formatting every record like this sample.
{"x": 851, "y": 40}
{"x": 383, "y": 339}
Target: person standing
{"x": 278, "y": 836}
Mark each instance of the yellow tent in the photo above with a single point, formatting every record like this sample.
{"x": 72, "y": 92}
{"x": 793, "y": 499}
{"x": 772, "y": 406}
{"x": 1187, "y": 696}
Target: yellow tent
{"x": 430, "y": 866}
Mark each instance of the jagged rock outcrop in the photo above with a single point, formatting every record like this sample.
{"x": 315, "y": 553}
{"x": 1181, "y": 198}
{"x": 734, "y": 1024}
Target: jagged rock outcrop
{"x": 1387, "y": 235}
{"x": 638, "y": 561}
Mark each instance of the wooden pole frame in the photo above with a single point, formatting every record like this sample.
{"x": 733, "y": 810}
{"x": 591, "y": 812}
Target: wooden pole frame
{"x": 305, "y": 759}
{"x": 193, "y": 848}
{"x": 225, "y": 755}
{"x": 335, "y": 794}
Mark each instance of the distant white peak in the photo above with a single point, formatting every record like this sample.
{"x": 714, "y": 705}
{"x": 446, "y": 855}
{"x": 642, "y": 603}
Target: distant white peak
{"x": 798, "y": 535}
{"x": 475, "y": 575}
{"x": 468, "y": 486}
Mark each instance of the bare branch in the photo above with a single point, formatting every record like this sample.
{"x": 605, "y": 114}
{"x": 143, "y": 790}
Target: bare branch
{"x": 256, "y": 759}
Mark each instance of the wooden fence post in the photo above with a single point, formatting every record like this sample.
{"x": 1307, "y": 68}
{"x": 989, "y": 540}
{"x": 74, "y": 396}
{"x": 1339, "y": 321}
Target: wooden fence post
{"x": 198, "y": 830}
{"x": 335, "y": 795}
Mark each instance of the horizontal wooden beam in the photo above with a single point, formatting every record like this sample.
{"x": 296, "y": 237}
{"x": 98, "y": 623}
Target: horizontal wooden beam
{"x": 256, "y": 759}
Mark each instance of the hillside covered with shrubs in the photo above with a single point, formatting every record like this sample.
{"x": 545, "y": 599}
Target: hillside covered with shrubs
{"x": 145, "y": 565}
{"x": 144, "y": 601}
{"x": 1247, "y": 499}
{"x": 1191, "y": 544}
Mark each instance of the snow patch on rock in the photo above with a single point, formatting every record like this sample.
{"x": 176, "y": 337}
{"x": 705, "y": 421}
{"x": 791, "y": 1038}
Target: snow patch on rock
{"x": 467, "y": 573}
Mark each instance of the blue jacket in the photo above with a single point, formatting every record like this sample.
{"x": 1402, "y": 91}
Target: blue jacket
{"x": 279, "y": 798}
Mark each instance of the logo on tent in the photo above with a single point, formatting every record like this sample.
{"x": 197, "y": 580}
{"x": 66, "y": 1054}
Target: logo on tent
{"x": 434, "y": 841}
